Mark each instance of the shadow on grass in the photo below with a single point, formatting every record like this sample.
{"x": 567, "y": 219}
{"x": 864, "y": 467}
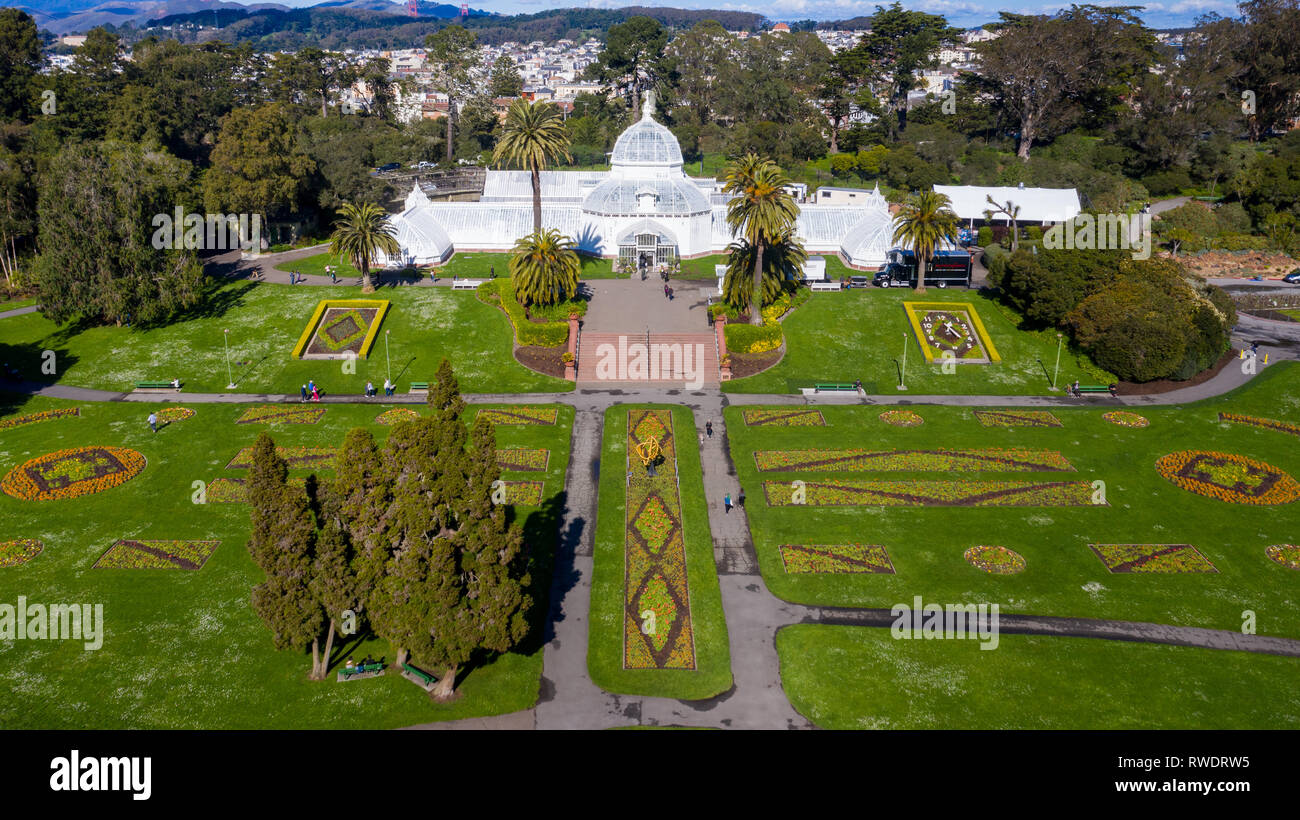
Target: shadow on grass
{"x": 31, "y": 359}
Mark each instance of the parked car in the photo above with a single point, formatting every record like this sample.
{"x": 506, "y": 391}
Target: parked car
{"x": 1292, "y": 278}
{"x": 859, "y": 281}
{"x": 392, "y": 166}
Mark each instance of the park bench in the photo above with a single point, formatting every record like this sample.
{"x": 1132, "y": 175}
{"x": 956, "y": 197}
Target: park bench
{"x": 816, "y": 286}
{"x": 156, "y": 387}
{"x": 420, "y": 387}
{"x": 420, "y": 678}
{"x": 828, "y": 387}
{"x": 365, "y": 670}
{"x": 1097, "y": 388}
{"x": 465, "y": 284}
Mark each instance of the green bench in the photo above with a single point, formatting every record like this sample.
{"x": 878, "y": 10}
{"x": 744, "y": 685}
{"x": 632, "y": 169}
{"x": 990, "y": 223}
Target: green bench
{"x": 1095, "y": 388}
{"x": 830, "y": 386}
{"x": 158, "y": 387}
{"x": 419, "y": 387}
{"x": 418, "y": 677}
{"x": 361, "y": 669}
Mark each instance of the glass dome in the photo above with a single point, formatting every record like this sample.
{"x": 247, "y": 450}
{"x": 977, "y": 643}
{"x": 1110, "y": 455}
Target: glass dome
{"x": 646, "y": 143}
{"x": 868, "y": 243}
{"x": 629, "y": 197}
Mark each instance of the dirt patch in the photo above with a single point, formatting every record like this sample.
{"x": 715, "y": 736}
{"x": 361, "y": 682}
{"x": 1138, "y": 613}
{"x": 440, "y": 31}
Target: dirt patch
{"x": 1226, "y": 264}
{"x": 1165, "y": 385}
{"x": 747, "y": 364}
{"x": 545, "y": 360}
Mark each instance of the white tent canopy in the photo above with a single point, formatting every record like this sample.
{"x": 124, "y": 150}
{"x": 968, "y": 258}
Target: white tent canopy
{"x": 970, "y": 202}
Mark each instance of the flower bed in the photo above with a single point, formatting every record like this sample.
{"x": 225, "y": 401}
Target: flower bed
{"x": 657, "y": 614}
{"x": 13, "y": 553}
{"x": 1152, "y": 558}
{"x": 35, "y": 418}
{"x": 293, "y": 456}
{"x": 341, "y": 329}
{"x": 397, "y": 415}
{"x": 1016, "y": 418}
{"x": 131, "y": 554}
{"x": 524, "y": 492}
{"x": 836, "y": 558}
{"x": 1125, "y": 419}
{"x": 784, "y": 418}
{"x": 1228, "y": 477}
{"x": 1288, "y": 555}
{"x": 231, "y": 490}
{"x": 991, "y": 459}
{"x": 72, "y": 473}
{"x": 519, "y": 415}
{"x": 901, "y": 418}
{"x": 995, "y": 560}
{"x": 523, "y": 459}
{"x": 863, "y": 492}
{"x": 281, "y": 414}
{"x": 167, "y": 415}
{"x": 952, "y": 328}
{"x": 1257, "y": 421}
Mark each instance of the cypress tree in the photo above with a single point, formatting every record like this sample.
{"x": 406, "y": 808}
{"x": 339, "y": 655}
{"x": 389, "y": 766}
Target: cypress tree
{"x": 284, "y": 600}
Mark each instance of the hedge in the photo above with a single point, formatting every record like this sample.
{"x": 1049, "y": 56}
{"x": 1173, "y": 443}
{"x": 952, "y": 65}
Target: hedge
{"x": 501, "y": 292}
{"x": 743, "y": 338}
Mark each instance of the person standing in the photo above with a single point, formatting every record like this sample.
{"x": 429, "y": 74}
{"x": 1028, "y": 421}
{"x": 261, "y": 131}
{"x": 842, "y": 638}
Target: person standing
{"x": 740, "y": 499}
{"x": 302, "y": 393}
{"x": 370, "y": 389}
{"x": 726, "y": 503}
{"x": 153, "y": 421}
{"x": 708, "y": 429}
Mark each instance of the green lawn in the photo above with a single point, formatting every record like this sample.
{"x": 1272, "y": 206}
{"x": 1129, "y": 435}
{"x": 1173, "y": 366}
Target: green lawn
{"x": 183, "y": 649}
{"x": 862, "y": 678}
{"x": 423, "y": 326}
{"x": 1063, "y": 577}
{"x": 1294, "y": 314}
{"x": 861, "y": 333}
{"x": 459, "y": 266}
{"x": 712, "y": 674}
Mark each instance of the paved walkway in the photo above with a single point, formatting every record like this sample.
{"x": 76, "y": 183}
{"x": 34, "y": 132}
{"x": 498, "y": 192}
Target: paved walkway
{"x": 634, "y": 306}
{"x": 5, "y": 314}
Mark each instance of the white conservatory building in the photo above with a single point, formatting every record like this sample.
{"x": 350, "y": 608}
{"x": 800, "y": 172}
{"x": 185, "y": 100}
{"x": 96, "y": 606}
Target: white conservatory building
{"x": 643, "y": 209}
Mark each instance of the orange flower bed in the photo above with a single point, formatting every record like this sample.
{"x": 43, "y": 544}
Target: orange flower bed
{"x": 72, "y": 473}
{"x": 1228, "y": 477}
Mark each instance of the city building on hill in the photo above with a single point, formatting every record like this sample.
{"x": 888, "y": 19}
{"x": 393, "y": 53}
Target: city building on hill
{"x": 643, "y": 210}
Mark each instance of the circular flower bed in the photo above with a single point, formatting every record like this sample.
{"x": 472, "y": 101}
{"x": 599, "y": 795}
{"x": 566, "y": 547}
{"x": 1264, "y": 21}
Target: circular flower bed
{"x": 396, "y": 415}
{"x": 71, "y": 473}
{"x": 13, "y": 553}
{"x": 995, "y": 560}
{"x": 1228, "y": 477}
{"x": 901, "y": 418}
{"x": 169, "y": 414}
{"x": 1125, "y": 419}
{"x": 1288, "y": 555}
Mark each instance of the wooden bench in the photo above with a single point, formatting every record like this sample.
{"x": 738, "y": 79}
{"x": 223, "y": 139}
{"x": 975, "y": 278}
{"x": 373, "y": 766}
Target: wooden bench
{"x": 365, "y": 670}
{"x": 465, "y": 284}
{"x": 1097, "y": 388}
{"x": 420, "y": 678}
{"x": 420, "y": 388}
{"x": 156, "y": 387}
{"x": 834, "y": 387}
{"x": 823, "y": 286}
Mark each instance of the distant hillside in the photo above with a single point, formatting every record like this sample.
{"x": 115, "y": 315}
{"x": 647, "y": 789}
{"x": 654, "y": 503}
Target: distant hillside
{"x": 80, "y": 16}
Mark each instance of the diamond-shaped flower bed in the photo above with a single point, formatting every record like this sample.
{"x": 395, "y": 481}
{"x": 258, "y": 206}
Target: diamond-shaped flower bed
{"x": 784, "y": 418}
{"x": 1152, "y": 558}
{"x": 341, "y": 329}
{"x": 397, "y": 415}
{"x": 132, "y": 554}
{"x": 523, "y": 459}
{"x": 849, "y": 492}
{"x": 987, "y": 459}
{"x": 13, "y": 553}
{"x": 836, "y": 558}
{"x": 1016, "y": 418}
{"x": 519, "y": 415}
{"x": 951, "y": 331}
{"x": 281, "y": 414}
{"x": 1288, "y": 555}
{"x": 901, "y": 418}
{"x": 1125, "y": 419}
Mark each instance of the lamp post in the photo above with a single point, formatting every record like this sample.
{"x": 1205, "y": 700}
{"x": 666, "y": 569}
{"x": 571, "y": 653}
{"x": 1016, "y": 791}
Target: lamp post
{"x": 1057, "y": 368}
{"x": 902, "y": 372}
{"x": 225, "y": 334}
{"x": 388, "y": 359}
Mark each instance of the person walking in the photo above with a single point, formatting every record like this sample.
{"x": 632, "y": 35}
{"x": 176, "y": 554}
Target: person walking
{"x": 315, "y": 394}
{"x": 153, "y": 421}
{"x": 388, "y": 387}
{"x": 726, "y": 503}
{"x": 670, "y": 294}
{"x": 740, "y": 499}
{"x": 708, "y": 428}
{"x": 665, "y": 291}
{"x": 370, "y": 389}
{"x": 302, "y": 392}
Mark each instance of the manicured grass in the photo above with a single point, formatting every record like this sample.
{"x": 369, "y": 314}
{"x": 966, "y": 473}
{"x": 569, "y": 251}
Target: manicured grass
{"x": 315, "y": 266}
{"x": 1063, "y": 576}
{"x": 184, "y": 649}
{"x": 712, "y": 673}
{"x": 423, "y": 326}
{"x": 862, "y": 678}
{"x": 1294, "y": 314}
{"x": 860, "y": 334}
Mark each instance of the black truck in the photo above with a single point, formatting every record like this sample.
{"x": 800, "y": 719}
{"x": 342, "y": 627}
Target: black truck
{"x": 944, "y": 268}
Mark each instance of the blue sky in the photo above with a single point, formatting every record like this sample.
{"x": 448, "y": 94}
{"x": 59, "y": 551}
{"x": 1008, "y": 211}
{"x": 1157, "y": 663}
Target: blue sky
{"x": 1161, "y": 13}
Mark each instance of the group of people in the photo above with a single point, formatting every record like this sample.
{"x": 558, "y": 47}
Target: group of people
{"x": 309, "y": 391}
{"x": 668, "y": 292}
{"x": 389, "y": 388}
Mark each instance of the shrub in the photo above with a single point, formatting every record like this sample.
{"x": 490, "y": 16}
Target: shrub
{"x": 1035, "y": 233}
{"x": 743, "y": 338}
{"x": 985, "y": 237}
{"x": 1167, "y": 182}
{"x": 501, "y": 292}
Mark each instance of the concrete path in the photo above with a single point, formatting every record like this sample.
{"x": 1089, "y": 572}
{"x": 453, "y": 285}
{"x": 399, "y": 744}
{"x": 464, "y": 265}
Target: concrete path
{"x": 22, "y": 311}
{"x": 633, "y": 306}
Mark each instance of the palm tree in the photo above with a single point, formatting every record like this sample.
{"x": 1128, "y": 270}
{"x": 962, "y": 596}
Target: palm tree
{"x": 783, "y": 261}
{"x": 1011, "y": 211}
{"x": 360, "y": 233}
{"x": 544, "y": 268}
{"x": 923, "y": 222}
{"x": 534, "y": 135}
{"x": 762, "y": 209}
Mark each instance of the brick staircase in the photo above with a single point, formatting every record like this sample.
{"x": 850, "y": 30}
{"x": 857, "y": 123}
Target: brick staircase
{"x": 620, "y": 358}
